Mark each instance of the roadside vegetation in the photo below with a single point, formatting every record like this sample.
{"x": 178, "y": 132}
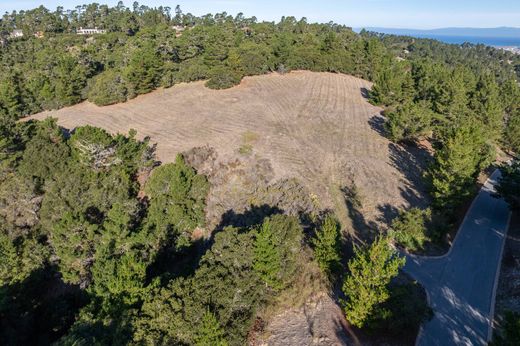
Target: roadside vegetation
{"x": 93, "y": 253}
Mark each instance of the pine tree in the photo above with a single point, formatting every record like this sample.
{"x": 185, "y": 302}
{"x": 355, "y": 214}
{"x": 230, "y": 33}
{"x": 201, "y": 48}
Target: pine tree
{"x": 411, "y": 226}
{"x": 209, "y": 333}
{"x": 409, "y": 121}
{"x": 511, "y": 138}
{"x": 487, "y": 107}
{"x": 509, "y": 185}
{"x": 464, "y": 154}
{"x": 267, "y": 262}
{"x": 326, "y": 244}
{"x": 366, "y": 286}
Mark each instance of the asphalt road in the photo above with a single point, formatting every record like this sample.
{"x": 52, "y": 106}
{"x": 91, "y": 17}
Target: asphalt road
{"x": 461, "y": 284}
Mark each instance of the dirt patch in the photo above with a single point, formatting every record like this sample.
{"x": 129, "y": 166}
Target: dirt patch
{"x": 318, "y": 322}
{"x": 315, "y": 127}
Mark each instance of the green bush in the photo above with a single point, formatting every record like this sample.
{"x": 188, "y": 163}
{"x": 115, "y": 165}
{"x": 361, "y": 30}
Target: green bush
{"x": 223, "y": 78}
{"x": 107, "y": 88}
{"x": 326, "y": 245}
{"x": 410, "y": 228}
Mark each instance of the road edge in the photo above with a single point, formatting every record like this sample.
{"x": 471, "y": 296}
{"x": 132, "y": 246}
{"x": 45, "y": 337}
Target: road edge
{"x": 460, "y": 226}
{"x": 497, "y": 278}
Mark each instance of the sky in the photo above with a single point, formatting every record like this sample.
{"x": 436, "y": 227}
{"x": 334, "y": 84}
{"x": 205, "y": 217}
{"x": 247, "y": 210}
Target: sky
{"x": 416, "y": 14}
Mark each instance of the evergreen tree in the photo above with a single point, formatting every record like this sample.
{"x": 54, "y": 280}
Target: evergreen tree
{"x": 10, "y": 95}
{"x": 509, "y": 184}
{"x": 177, "y": 201}
{"x": 277, "y": 246}
{"x": 209, "y": 332}
{"x": 511, "y": 136}
{"x": 267, "y": 256}
{"x": 410, "y": 228}
{"x": 486, "y": 105}
{"x": 107, "y": 88}
{"x": 409, "y": 121}
{"x": 326, "y": 244}
{"x": 143, "y": 71}
{"x": 366, "y": 286}
{"x": 457, "y": 164}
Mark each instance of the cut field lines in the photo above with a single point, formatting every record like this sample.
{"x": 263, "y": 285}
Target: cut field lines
{"x": 312, "y": 126}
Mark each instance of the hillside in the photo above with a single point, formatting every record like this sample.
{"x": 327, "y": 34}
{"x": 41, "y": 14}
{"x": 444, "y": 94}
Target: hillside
{"x": 316, "y": 127}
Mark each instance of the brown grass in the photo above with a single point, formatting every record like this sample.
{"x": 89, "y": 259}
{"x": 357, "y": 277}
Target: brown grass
{"x": 316, "y": 127}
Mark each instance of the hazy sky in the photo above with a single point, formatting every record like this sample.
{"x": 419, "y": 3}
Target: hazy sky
{"x": 354, "y": 13}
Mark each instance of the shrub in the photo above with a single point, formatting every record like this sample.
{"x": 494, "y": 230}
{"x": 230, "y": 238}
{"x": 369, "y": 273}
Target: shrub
{"x": 223, "y": 78}
{"x": 107, "y": 88}
{"x": 410, "y": 228}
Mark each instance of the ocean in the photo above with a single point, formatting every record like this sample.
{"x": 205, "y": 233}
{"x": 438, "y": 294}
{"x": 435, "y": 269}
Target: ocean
{"x": 490, "y": 41}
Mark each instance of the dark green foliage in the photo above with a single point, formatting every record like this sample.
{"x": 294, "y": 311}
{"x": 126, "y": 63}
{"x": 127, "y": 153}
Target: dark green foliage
{"x": 177, "y": 197}
{"x": 107, "y": 88}
{"x": 45, "y": 153}
{"x": 267, "y": 257}
{"x": 510, "y": 95}
{"x": 453, "y": 174}
{"x": 225, "y": 282}
{"x": 509, "y": 184}
{"x": 510, "y": 333}
{"x": 511, "y": 138}
{"x": 487, "y": 107}
{"x": 143, "y": 71}
{"x": 327, "y": 245}
{"x": 277, "y": 245}
{"x": 409, "y": 122}
{"x": 86, "y": 261}
{"x": 411, "y": 228}
{"x": 392, "y": 84}
{"x": 405, "y": 310}
{"x": 209, "y": 332}
{"x": 366, "y": 286}
{"x": 223, "y": 78}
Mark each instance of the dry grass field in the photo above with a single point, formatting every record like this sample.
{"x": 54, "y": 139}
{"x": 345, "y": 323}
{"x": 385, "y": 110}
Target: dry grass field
{"x": 316, "y": 127}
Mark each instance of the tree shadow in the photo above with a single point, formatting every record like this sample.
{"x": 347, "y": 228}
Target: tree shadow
{"x": 38, "y": 310}
{"x": 377, "y": 123}
{"x": 412, "y": 161}
{"x": 172, "y": 262}
{"x": 365, "y": 230}
{"x": 252, "y": 216}
{"x": 387, "y": 213}
{"x": 365, "y": 93}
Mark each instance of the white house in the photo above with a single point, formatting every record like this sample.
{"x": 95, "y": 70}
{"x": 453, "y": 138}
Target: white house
{"x": 178, "y": 29}
{"x": 16, "y": 34}
{"x": 86, "y": 31}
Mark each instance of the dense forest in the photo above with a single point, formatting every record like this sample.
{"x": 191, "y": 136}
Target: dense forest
{"x": 92, "y": 253}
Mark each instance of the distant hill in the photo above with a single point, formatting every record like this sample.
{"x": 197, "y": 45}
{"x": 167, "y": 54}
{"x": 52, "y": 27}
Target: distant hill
{"x": 505, "y": 32}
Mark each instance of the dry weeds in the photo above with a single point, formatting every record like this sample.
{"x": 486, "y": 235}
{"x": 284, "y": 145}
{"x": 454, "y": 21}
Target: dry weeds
{"x": 316, "y": 127}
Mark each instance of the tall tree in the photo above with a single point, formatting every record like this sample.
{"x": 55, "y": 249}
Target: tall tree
{"x": 327, "y": 244}
{"x": 366, "y": 285}
{"x": 457, "y": 164}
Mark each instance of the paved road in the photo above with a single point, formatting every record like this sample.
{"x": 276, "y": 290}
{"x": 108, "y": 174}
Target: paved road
{"x": 461, "y": 284}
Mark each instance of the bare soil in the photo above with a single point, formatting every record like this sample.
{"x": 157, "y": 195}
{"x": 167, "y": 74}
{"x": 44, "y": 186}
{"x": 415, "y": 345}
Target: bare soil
{"x": 315, "y": 127}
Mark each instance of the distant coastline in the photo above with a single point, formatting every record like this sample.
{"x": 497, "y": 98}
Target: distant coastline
{"x": 489, "y": 41}
{"x": 497, "y": 37}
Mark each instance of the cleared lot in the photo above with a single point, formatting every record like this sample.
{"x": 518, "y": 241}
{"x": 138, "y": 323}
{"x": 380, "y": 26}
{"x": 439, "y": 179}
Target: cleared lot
{"x": 316, "y": 127}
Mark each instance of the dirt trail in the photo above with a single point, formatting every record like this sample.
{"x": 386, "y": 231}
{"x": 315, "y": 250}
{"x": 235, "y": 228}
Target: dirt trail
{"x": 316, "y": 127}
